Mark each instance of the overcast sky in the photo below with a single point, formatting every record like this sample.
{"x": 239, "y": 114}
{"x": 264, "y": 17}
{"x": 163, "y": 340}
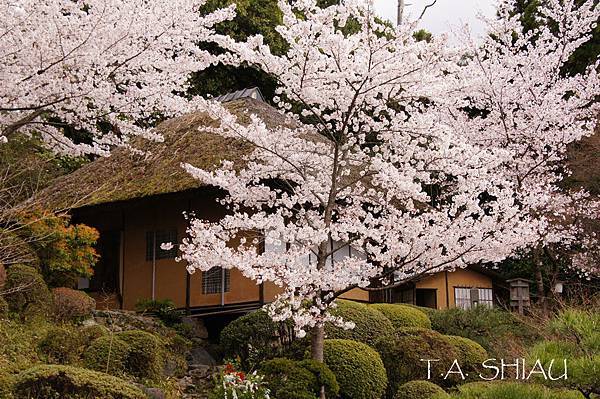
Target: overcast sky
{"x": 443, "y": 15}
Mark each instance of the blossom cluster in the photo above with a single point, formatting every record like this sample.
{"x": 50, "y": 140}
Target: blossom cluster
{"x": 106, "y": 67}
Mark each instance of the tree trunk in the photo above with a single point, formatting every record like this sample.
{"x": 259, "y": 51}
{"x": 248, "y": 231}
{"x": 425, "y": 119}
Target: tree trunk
{"x": 539, "y": 280}
{"x": 316, "y": 349}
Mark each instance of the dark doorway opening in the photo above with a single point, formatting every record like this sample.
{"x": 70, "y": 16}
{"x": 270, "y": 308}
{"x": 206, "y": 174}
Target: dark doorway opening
{"x": 426, "y": 297}
{"x": 106, "y": 273}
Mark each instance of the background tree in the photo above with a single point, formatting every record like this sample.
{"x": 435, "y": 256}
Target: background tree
{"x": 385, "y": 171}
{"x": 551, "y": 263}
{"x": 109, "y": 68}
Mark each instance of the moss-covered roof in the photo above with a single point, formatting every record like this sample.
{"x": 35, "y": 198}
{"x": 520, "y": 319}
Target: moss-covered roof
{"x": 124, "y": 175}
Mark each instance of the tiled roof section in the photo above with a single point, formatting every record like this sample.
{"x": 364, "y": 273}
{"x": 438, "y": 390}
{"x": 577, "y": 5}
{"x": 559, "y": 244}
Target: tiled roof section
{"x": 253, "y": 92}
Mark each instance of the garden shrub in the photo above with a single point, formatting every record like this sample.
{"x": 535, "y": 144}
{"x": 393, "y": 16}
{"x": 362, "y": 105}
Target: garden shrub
{"x": 498, "y": 331}
{"x": 108, "y": 354}
{"x": 471, "y": 354}
{"x": 56, "y": 381}
{"x": 145, "y": 355}
{"x": 575, "y": 337}
{"x": 357, "y": 367}
{"x": 30, "y": 294}
{"x": 177, "y": 348}
{"x": 66, "y": 251}
{"x": 583, "y": 369}
{"x": 251, "y": 338}
{"x": 91, "y": 332}
{"x": 290, "y": 379}
{"x": 402, "y": 354}
{"x": 179, "y": 345}
{"x": 70, "y": 304}
{"x": 3, "y": 308}
{"x": 370, "y": 323}
{"x": 579, "y": 325}
{"x": 6, "y": 385}
{"x": 164, "y": 309}
{"x": 19, "y": 344}
{"x": 61, "y": 345}
{"x": 420, "y": 389}
{"x": 403, "y": 315}
{"x": 511, "y": 390}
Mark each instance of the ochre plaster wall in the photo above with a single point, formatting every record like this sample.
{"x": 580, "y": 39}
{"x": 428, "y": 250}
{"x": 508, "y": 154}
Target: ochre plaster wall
{"x": 458, "y": 278}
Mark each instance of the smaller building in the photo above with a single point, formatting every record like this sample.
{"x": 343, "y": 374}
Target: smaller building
{"x": 463, "y": 288}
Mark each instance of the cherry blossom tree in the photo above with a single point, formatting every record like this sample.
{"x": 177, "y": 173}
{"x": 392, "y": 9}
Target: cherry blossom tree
{"x": 108, "y": 67}
{"x": 399, "y": 157}
{"x": 522, "y": 101}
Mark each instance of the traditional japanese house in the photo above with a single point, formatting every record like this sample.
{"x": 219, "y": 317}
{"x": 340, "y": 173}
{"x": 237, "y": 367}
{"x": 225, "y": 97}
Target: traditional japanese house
{"x": 137, "y": 202}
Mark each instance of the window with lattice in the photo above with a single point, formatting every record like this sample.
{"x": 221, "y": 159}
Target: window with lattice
{"x": 216, "y": 280}
{"x": 466, "y": 298}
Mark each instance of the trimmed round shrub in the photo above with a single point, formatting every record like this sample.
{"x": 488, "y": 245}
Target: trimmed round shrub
{"x": 29, "y": 294}
{"x": 70, "y": 304}
{"x": 290, "y": 379}
{"x": 402, "y": 355}
{"x": 108, "y": 354}
{"x": 403, "y": 315}
{"x": 251, "y": 338}
{"x": 145, "y": 354}
{"x": 357, "y": 367}
{"x": 56, "y": 381}
{"x": 61, "y": 345}
{"x": 92, "y": 332}
{"x": 420, "y": 389}
{"x": 471, "y": 354}
{"x": 370, "y": 323}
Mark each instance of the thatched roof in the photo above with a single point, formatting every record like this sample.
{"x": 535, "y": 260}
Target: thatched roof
{"x": 123, "y": 175}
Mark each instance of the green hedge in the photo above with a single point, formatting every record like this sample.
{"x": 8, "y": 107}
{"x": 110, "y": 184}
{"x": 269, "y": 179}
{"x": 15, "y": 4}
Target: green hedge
{"x": 56, "y": 381}
{"x": 61, "y": 345}
{"x": 145, "y": 359}
{"x": 31, "y": 296}
{"x": 370, "y": 323}
{"x": 403, "y": 315}
{"x": 290, "y": 379}
{"x": 403, "y": 352}
{"x": 420, "y": 389}
{"x": 357, "y": 367}
{"x": 108, "y": 354}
